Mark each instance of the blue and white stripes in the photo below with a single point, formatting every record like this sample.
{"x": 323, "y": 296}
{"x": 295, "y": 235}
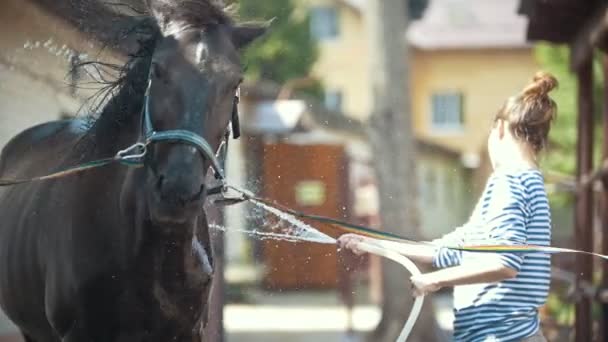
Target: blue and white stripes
{"x": 513, "y": 210}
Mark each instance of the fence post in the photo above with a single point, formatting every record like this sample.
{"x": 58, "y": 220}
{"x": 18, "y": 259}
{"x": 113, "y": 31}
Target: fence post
{"x": 584, "y": 199}
{"x": 604, "y": 211}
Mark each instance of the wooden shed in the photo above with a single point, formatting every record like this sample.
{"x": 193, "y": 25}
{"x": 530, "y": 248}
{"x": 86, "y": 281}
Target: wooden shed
{"x": 583, "y": 26}
{"x": 312, "y": 178}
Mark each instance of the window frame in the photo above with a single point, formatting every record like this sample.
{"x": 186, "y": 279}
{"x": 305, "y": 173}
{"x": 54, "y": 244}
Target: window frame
{"x": 324, "y": 34}
{"x": 449, "y": 126}
{"x": 339, "y": 94}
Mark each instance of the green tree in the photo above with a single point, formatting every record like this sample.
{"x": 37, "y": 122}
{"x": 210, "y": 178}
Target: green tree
{"x": 561, "y": 155}
{"x": 288, "y": 51}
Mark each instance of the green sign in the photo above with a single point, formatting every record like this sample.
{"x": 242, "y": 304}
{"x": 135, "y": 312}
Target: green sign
{"x": 310, "y": 193}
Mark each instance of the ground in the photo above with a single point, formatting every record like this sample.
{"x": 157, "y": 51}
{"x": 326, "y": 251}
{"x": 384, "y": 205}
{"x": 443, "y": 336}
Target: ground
{"x": 255, "y": 315}
{"x": 295, "y": 317}
{"x": 308, "y": 317}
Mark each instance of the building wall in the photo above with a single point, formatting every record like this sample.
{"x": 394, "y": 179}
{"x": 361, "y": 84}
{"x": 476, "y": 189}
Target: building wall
{"x": 35, "y": 49}
{"x": 486, "y": 78}
{"x": 445, "y": 195}
{"x": 444, "y": 185}
{"x": 34, "y": 61}
{"x": 343, "y": 62}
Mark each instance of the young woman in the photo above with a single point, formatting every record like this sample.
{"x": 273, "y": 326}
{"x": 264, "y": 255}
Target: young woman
{"x": 497, "y": 295}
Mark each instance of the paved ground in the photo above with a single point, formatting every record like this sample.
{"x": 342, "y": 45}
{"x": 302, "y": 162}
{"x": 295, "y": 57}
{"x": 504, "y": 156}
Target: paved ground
{"x": 294, "y": 317}
{"x": 308, "y": 317}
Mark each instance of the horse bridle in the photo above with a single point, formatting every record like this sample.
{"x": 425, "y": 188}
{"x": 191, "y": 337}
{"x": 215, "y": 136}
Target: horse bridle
{"x": 217, "y": 158}
{"x": 134, "y": 155}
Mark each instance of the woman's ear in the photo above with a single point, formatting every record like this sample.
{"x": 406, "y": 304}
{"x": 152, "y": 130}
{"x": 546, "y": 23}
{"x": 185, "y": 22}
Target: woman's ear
{"x": 501, "y": 127}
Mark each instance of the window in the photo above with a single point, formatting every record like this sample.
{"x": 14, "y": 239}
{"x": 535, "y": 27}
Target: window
{"x": 447, "y": 113}
{"x": 324, "y": 23}
{"x": 333, "y": 101}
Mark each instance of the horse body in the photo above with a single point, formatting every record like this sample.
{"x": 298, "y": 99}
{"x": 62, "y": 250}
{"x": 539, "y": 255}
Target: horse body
{"x": 120, "y": 254}
{"x": 99, "y": 272}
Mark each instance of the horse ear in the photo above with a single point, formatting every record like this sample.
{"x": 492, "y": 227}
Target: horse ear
{"x": 154, "y": 7}
{"x": 244, "y": 34}
{"x": 163, "y": 12}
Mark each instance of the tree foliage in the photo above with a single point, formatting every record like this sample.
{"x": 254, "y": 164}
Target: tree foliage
{"x": 561, "y": 155}
{"x": 288, "y": 51}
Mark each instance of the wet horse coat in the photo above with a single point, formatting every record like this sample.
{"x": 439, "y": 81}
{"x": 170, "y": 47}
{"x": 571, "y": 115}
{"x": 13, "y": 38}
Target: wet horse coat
{"x": 117, "y": 253}
{"x": 79, "y": 261}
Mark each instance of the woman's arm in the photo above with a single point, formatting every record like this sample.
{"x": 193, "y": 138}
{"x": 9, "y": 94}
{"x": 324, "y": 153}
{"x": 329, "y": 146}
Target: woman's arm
{"x": 482, "y": 272}
{"x": 428, "y": 253}
{"x": 506, "y": 225}
{"x": 487, "y": 270}
{"x": 417, "y": 252}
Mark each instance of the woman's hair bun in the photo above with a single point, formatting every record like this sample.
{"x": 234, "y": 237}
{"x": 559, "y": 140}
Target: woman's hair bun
{"x": 542, "y": 84}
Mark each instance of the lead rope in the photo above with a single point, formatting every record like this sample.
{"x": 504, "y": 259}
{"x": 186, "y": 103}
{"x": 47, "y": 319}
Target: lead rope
{"x": 131, "y": 156}
{"x": 347, "y": 227}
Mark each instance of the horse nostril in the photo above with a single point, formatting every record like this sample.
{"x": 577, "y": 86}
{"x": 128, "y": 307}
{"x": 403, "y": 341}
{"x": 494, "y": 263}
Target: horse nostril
{"x": 159, "y": 182}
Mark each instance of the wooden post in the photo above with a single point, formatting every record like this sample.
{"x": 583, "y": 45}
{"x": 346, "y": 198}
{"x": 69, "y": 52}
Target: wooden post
{"x": 604, "y": 211}
{"x": 584, "y": 199}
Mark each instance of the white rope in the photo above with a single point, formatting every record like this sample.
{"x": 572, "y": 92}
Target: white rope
{"x": 411, "y": 267}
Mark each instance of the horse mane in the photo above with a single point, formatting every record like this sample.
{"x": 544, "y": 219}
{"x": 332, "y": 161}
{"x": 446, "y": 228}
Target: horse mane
{"x": 121, "y": 86}
{"x": 194, "y": 13}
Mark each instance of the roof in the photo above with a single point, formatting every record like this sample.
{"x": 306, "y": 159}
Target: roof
{"x": 277, "y": 117}
{"x": 266, "y": 91}
{"x": 469, "y": 24}
{"x": 557, "y": 21}
{"x": 582, "y": 24}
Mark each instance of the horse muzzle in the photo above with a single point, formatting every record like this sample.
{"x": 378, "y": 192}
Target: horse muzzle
{"x": 177, "y": 198}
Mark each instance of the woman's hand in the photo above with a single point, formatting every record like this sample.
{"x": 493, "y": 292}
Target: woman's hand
{"x": 424, "y": 284}
{"x": 351, "y": 242}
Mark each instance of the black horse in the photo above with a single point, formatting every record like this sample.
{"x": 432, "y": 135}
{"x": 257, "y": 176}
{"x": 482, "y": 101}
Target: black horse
{"x": 118, "y": 253}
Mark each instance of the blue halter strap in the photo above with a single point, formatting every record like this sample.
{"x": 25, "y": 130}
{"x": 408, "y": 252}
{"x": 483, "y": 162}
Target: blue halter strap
{"x": 179, "y": 136}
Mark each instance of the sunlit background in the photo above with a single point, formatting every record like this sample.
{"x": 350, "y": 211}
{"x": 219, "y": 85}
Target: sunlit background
{"x": 305, "y": 107}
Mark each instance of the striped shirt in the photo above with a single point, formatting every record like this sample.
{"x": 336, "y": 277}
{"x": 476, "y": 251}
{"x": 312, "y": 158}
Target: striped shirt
{"x": 512, "y": 210}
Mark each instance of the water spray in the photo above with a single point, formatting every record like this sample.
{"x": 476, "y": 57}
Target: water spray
{"x": 306, "y": 232}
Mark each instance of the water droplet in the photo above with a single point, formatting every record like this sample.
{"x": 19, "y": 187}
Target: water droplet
{"x": 48, "y": 42}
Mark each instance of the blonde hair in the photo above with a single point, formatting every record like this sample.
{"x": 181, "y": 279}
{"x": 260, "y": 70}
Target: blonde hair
{"x": 531, "y": 112}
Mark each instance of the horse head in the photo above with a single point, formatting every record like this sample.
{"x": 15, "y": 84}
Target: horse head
{"x": 195, "y": 74}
